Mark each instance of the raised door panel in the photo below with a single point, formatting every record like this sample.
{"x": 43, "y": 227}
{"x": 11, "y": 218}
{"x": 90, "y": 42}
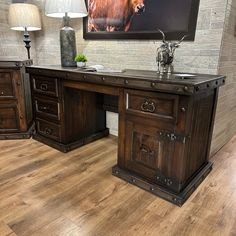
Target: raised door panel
{"x": 7, "y": 89}
{"x": 9, "y": 118}
{"x": 156, "y": 157}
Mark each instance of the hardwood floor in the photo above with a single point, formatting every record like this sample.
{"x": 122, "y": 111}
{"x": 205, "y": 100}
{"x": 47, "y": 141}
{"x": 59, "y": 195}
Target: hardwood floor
{"x": 45, "y": 192}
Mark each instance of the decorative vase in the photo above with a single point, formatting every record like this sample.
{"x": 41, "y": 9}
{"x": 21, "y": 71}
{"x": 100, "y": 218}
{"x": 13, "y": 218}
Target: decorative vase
{"x": 81, "y": 64}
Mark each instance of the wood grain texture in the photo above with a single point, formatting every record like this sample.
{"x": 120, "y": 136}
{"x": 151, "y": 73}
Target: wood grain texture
{"x": 46, "y": 192}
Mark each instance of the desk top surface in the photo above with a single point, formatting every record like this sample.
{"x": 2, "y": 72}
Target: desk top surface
{"x": 175, "y": 78}
{"x": 139, "y": 79}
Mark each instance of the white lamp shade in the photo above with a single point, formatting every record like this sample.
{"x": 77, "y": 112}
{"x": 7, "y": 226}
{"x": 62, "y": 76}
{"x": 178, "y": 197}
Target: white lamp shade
{"x": 23, "y": 15}
{"x": 58, "y": 8}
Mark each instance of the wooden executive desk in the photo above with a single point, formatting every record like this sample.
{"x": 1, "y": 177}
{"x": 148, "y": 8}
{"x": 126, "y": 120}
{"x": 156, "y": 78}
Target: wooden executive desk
{"x": 165, "y": 123}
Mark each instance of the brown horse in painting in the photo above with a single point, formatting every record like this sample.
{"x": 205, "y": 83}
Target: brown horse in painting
{"x": 110, "y": 15}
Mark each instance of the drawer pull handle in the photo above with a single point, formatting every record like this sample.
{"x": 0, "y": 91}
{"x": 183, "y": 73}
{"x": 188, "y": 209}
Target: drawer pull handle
{"x": 148, "y": 106}
{"x": 42, "y": 108}
{"x": 145, "y": 149}
{"x": 44, "y": 87}
{"x": 47, "y": 131}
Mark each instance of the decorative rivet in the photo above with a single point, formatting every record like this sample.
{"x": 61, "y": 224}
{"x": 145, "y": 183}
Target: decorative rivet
{"x": 2, "y": 93}
{"x": 103, "y": 79}
{"x": 152, "y": 189}
{"x": 153, "y": 84}
{"x": 185, "y": 88}
{"x": 197, "y": 88}
{"x": 158, "y": 177}
{"x": 84, "y": 76}
{"x": 183, "y": 109}
{"x": 126, "y": 81}
{"x": 117, "y": 172}
{"x": 133, "y": 180}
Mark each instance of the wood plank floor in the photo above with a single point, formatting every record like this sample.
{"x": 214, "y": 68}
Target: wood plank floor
{"x": 45, "y": 192}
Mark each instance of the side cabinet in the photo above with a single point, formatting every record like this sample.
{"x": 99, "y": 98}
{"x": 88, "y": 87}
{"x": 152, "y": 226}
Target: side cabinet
{"x": 167, "y": 137}
{"x": 15, "y": 100}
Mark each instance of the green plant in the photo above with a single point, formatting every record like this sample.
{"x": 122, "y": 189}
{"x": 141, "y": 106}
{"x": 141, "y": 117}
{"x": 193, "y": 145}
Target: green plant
{"x": 81, "y": 58}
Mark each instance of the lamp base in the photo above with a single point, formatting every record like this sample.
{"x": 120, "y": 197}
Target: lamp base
{"x": 68, "y": 44}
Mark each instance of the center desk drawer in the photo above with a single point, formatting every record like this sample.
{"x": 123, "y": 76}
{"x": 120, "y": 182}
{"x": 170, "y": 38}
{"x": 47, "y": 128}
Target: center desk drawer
{"x": 48, "y": 129}
{"x": 45, "y": 85}
{"x": 152, "y": 105}
{"x": 48, "y": 109}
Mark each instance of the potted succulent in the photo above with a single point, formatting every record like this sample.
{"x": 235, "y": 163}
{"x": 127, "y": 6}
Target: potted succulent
{"x": 81, "y": 60}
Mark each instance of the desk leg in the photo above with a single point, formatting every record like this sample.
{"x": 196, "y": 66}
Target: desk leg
{"x": 121, "y": 129}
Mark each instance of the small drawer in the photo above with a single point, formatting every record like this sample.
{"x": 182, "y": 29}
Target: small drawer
{"x": 45, "y": 85}
{"x": 6, "y": 85}
{"x": 48, "y": 109}
{"x": 152, "y": 105}
{"x": 48, "y": 129}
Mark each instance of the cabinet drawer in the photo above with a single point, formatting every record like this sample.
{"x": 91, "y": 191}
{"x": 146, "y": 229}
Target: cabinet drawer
{"x": 48, "y": 109}
{"x": 6, "y": 84}
{"x": 9, "y": 118}
{"x": 45, "y": 85}
{"x": 48, "y": 129}
{"x": 152, "y": 105}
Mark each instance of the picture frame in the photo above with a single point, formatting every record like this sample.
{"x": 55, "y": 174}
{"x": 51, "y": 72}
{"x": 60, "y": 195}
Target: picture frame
{"x": 174, "y": 20}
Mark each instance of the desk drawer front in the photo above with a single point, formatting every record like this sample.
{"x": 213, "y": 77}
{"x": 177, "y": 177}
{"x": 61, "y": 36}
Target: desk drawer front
{"x": 48, "y": 129}
{"x": 44, "y": 85}
{"x": 49, "y": 109}
{"x": 6, "y": 85}
{"x": 152, "y": 105}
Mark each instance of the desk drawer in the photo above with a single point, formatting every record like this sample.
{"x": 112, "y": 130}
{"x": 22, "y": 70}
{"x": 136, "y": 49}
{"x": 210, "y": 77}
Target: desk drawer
{"x": 48, "y": 129}
{"x": 45, "y": 85}
{"x": 48, "y": 109}
{"x": 152, "y": 105}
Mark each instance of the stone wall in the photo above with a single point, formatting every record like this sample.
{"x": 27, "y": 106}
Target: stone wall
{"x": 225, "y": 126}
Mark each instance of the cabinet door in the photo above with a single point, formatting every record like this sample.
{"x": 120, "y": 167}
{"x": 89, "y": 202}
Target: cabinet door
{"x": 153, "y": 156}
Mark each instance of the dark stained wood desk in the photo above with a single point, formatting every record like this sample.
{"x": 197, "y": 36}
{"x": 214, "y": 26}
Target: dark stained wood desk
{"x": 165, "y": 122}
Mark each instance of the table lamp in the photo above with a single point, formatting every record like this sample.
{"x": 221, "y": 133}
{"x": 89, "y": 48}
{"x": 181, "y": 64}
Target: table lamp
{"x": 66, "y": 9}
{"x": 24, "y": 17}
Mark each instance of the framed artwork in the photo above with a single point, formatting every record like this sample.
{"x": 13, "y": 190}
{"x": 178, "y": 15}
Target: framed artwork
{"x": 141, "y": 19}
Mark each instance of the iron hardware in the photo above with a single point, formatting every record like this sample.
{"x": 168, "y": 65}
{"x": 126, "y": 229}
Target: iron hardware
{"x": 165, "y": 135}
{"x": 148, "y": 106}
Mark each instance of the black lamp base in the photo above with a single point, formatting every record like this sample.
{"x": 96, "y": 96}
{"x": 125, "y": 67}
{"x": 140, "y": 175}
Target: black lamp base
{"x": 27, "y": 41}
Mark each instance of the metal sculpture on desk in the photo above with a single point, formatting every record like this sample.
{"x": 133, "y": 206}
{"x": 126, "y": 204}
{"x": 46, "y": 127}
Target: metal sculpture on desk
{"x": 165, "y": 55}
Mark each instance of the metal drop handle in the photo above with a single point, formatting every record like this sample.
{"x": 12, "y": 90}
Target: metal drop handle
{"x": 145, "y": 149}
{"x": 148, "y": 106}
{"x": 48, "y": 131}
{"x": 44, "y": 87}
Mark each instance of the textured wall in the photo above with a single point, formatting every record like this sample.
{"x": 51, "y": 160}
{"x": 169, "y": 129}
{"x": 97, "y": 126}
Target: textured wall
{"x": 11, "y": 42}
{"x": 225, "y": 126}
